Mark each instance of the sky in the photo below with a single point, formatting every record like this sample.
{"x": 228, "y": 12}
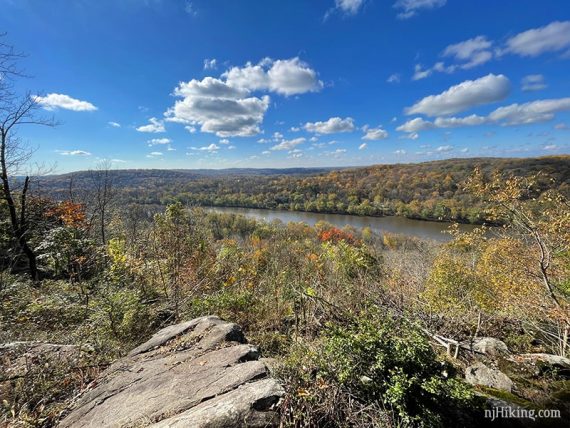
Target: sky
{"x": 274, "y": 83}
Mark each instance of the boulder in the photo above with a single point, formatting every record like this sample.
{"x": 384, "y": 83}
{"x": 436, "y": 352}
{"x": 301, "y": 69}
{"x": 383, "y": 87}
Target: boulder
{"x": 480, "y": 374}
{"x": 491, "y": 346}
{"x": 201, "y": 373}
{"x": 544, "y": 362}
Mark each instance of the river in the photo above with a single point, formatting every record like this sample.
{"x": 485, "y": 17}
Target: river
{"x": 392, "y": 224}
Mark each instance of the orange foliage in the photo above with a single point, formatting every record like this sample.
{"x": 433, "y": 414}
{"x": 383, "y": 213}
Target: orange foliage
{"x": 334, "y": 234}
{"x": 70, "y": 213}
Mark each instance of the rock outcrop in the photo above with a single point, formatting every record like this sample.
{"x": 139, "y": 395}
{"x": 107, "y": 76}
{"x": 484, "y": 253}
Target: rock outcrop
{"x": 201, "y": 373}
{"x": 480, "y": 374}
{"x": 491, "y": 346}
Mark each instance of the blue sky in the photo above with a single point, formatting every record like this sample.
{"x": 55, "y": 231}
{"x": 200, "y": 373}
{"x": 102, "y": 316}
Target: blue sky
{"x": 251, "y": 83}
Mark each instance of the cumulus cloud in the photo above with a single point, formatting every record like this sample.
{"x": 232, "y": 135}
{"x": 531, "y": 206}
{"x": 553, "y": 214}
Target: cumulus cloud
{"x": 533, "y": 82}
{"x": 457, "y": 122}
{"x": 468, "y": 94}
{"x": 511, "y": 115}
{"x": 225, "y": 106}
{"x": 415, "y": 125}
{"x": 375, "y": 134}
{"x": 362, "y": 146}
{"x": 531, "y": 112}
{"x": 410, "y": 8}
{"x": 285, "y": 77}
{"x": 212, "y": 148}
{"x": 159, "y": 141}
{"x": 61, "y": 101}
{"x": 155, "y": 126}
{"x": 553, "y": 37}
{"x": 224, "y": 141}
{"x": 332, "y": 126}
{"x": 288, "y": 144}
{"x": 114, "y": 124}
{"x": 73, "y": 153}
{"x": 470, "y": 53}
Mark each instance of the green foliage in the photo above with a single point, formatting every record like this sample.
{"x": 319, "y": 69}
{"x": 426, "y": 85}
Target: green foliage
{"x": 381, "y": 360}
{"x": 430, "y": 190}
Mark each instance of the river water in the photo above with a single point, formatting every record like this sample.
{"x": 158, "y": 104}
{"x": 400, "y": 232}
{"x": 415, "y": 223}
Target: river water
{"x": 393, "y": 224}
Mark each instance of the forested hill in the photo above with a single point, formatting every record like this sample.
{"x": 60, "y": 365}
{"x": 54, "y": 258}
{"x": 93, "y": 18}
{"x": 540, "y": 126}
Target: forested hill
{"x": 429, "y": 190}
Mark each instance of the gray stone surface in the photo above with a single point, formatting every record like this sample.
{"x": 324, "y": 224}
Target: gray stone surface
{"x": 480, "y": 374}
{"x": 201, "y": 371}
{"x": 548, "y": 359}
{"x": 491, "y": 346}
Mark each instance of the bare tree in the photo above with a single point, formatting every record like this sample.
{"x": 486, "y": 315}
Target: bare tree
{"x": 16, "y": 111}
{"x": 103, "y": 194}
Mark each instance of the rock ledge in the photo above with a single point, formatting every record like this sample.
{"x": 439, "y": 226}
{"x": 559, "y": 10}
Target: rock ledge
{"x": 201, "y": 373}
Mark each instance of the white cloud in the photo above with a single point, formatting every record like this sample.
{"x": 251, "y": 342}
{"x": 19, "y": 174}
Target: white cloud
{"x": 375, "y": 134}
{"x": 210, "y": 64}
{"x": 285, "y": 77}
{"x": 468, "y": 94}
{"x": 226, "y": 116}
{"x": 561, "y": 126}
{"x": 224, "y": 141}
{"x": 114, "y": 124}
{"x": 471, "y": 53}
{"x": 277, "y": 135}
{"x": 190, "y": 129}
{"x": 410, "y": 8}
{"x": 350, "y": 7}
{"x": 420, "y": 73}
{"x": 225, "y": 106}
{"x": 531, "y": 112}
{"x": 457, "y": 122}
{"x": 362, "y": 146}
{"x": 533, "y": 82}
{"x": 332, "y": 126}
{"x": 464, "y": 150}
{"x": 393, "y": 78}
{"x": 553, "y": 37}
{"x": 118, "y": 161}
{"x": 154, "y": 155}
{"x": 288, "y": 144}
{"x": 159, "y": 141}
{"x": 345, "y": 7}
{"x": 155, "y": 126}
{"x": 550, "y": 147}
{"x": 415, "y": 125}
{"x": 61, "y": 101}
{"x": 511, "y": 115}
{"x": 73, "y": 152}
{"x": 212, "y": 148}
{"x": 232, "y": 147}
{"x": 400, "y": 152}
{"x": 444, "y": 149}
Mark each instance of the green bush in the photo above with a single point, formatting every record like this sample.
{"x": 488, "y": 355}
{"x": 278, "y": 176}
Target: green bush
{"x": 384, "y": 363}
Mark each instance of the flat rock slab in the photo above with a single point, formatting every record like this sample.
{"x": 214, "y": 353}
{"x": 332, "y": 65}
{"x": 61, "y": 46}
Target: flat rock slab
{"x": 200, "y": 373}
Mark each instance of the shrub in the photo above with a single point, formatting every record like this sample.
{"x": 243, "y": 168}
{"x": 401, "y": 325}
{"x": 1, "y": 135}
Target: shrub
{"x": 383, "y": 362}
